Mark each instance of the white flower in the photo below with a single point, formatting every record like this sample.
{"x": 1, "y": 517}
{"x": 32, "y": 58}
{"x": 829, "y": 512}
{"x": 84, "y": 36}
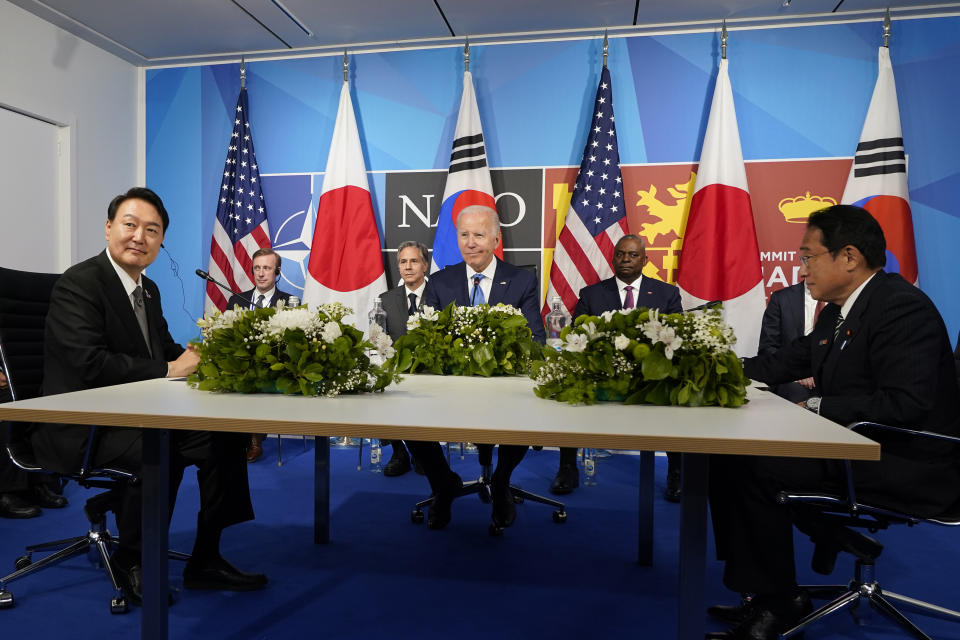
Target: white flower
{"x": 429, "y": 313}
{"x": 607, "y": 316}
{"x": 671, "y": 341}
{"x": 575, "y": 342}
{"x": 330, "y": 332}
{"x": 621, "y": 342}
{"x": 284, "y": 319}
{"x": 590, "y": 329}
{"x": 413, "y": 322}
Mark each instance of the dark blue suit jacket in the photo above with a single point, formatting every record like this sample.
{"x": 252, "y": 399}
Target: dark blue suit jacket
{"x": 783, "y": 323}
{"x": 605, "y": 296}
{"x": 511, "y": 285}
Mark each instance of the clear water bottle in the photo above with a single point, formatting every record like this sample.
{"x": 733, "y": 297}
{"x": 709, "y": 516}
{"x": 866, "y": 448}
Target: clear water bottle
{"x": 555, "y": 321}
{"x": 377, "y": 315}
{"x": 294, "y": 301}
{"x": 376, "y": 452}
{"x": 589, "y": 467}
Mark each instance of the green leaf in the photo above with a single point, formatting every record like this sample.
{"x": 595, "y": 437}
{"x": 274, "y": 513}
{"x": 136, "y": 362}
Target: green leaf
{"x": 656, "y": 366}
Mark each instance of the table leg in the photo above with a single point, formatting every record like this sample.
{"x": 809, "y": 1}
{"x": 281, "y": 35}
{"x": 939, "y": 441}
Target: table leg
{"x": 645, "y": 510}
{"x": 321, "y": 490}
{"x": 693, "y": 547}
{"x": 155, "y": 478}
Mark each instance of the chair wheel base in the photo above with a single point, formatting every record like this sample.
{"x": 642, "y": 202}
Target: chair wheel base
{"x": 559, "y": 517}
{"x": 23, "y": 562}
{"x": 416, "y": 516}
{"x": 6, "y": 599}
{"x": 119, "y": 605}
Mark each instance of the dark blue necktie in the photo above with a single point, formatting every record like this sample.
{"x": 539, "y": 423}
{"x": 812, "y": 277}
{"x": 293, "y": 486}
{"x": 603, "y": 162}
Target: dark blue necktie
{"x": 413, "y": 304}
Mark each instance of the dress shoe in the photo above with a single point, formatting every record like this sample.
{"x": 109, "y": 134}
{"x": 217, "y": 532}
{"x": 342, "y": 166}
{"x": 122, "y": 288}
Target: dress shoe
{"x": 219, "y": 575}
{"x": 504, "y": 508}
{"x": 439, "y": 514}
{"x": 130, "y": 580}
{"x": 767, "y": 619}
{"x": 566, "y": 480}
{"x": 673, "y": 492}
{"x": 254, "y": 449}
{"x": 732, "y": 614}
{"x": 42, "y": 496}
{"x": 399, "y": 462}
{"x": 13, "y": 505}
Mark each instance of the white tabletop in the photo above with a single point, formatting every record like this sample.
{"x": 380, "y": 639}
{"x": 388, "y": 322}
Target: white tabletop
{"x": 495, "y": 410}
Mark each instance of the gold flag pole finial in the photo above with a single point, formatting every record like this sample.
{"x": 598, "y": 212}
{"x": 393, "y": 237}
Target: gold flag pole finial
{"x": 886, "y": 29}
{"x": 346, "y": 66}
{"x": 243, "y": 73}
{"x": 606, "y": 48}
{"x": 723, "y": 39}
{"x": 466, "y": 53}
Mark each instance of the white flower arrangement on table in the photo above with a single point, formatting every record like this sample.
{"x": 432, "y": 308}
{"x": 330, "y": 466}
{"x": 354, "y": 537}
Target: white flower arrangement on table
{"x": 292, "y": 350}
{"x": 643, "y": 356}
{"x": 483, "y": 340}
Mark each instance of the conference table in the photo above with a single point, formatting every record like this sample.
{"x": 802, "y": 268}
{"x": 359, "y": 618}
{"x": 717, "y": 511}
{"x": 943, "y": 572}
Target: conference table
{"x": 454, "y": 409}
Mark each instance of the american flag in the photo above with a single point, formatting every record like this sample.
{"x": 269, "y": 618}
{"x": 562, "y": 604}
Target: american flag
{"x": 241, "y": 225}
{"x": 596, "y": 218}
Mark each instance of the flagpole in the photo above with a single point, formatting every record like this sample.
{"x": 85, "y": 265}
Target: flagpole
{"x": 723, "y": 39}
{"x": 606, "y": 48}
{"x": 886, "y": 29}
{"x": 243, "y": 73}
{"x": 346, "y": 66}
{"x": 466, "y": 54}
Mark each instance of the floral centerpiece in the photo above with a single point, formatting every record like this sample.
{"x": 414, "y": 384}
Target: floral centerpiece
{"x": 643, "y": 356}
{"x": 465, "y": 341}
{"x": 291, "y": 350}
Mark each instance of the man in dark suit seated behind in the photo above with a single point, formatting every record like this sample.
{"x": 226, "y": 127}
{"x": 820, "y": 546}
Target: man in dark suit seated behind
{"x": 413, "y": 260}
{"x": 480, "y": 278}
{"x": 790, "y": 314}
{"x": 626, "y": 290}
{"x": 105, "y": 326}
{"x": 880, "y": 353}
{"x": 266, "y": 274}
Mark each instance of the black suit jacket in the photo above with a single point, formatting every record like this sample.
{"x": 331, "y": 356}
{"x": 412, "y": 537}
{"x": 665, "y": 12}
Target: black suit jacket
{"x": 783, "y": 322}
{"x": 605, "y": 296}
{"x": 511, "y": 285}
{"x": 92, "y": 339}
{"x": 397, "y": 305}
{"x": 891, "y": 363}
{"x": 245, "y": 301}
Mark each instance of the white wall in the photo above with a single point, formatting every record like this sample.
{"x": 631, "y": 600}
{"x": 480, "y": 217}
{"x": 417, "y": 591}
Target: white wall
{"x": 50, "y": 74}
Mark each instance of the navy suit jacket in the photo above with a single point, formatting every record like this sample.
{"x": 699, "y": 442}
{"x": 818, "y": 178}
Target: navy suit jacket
{"x": 891, "y": 362}
{"x": 397, "y": 305}
{"x": 511, "y": 285}
{"x": 92, "y": 339}
{"x": 605, "y": 296}
{"x": 245, "y": 301}
{"x": 783, "y": 322}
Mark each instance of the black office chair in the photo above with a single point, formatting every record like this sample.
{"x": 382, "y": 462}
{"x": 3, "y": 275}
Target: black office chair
{"x": 24, "y": 300}
{"x": 481, "y": 487}
{"x": 844, "y": 511}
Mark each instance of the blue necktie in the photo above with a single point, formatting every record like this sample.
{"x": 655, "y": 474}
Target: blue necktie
{"x": 412, "y": 309}
{"x": 477, "y": 297}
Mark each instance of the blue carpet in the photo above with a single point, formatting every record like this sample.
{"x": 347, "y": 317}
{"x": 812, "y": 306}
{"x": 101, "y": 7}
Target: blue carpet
{"x": 382, "y": 576}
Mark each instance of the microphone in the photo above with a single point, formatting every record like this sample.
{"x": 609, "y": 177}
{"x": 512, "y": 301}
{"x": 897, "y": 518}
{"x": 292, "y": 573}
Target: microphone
{"x": 706, "y": 305}
{"x": 206, "y": 276}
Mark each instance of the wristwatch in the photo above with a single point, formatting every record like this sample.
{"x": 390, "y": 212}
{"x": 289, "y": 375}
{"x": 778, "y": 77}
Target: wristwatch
{"x": 813, "y": 404}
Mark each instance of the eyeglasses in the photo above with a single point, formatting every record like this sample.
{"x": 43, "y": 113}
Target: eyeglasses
{"x": 806, "y": 259}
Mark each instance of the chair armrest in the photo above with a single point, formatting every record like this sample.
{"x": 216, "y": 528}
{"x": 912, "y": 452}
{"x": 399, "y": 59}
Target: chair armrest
{"x": 867, "y": 426}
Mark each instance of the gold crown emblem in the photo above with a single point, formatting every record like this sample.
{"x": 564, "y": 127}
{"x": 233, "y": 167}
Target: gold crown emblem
{"x": 799, "y": 209}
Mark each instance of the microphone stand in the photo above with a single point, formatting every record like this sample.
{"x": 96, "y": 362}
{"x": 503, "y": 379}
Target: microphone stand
{"x": 206, "y": 276}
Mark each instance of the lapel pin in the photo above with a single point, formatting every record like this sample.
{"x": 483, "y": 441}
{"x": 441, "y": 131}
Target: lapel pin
{"x": 146, "y": 294}
{"x": 824, "y": 341}
{"x": 849, "y": 333}
{"x": 502, "y": 282}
